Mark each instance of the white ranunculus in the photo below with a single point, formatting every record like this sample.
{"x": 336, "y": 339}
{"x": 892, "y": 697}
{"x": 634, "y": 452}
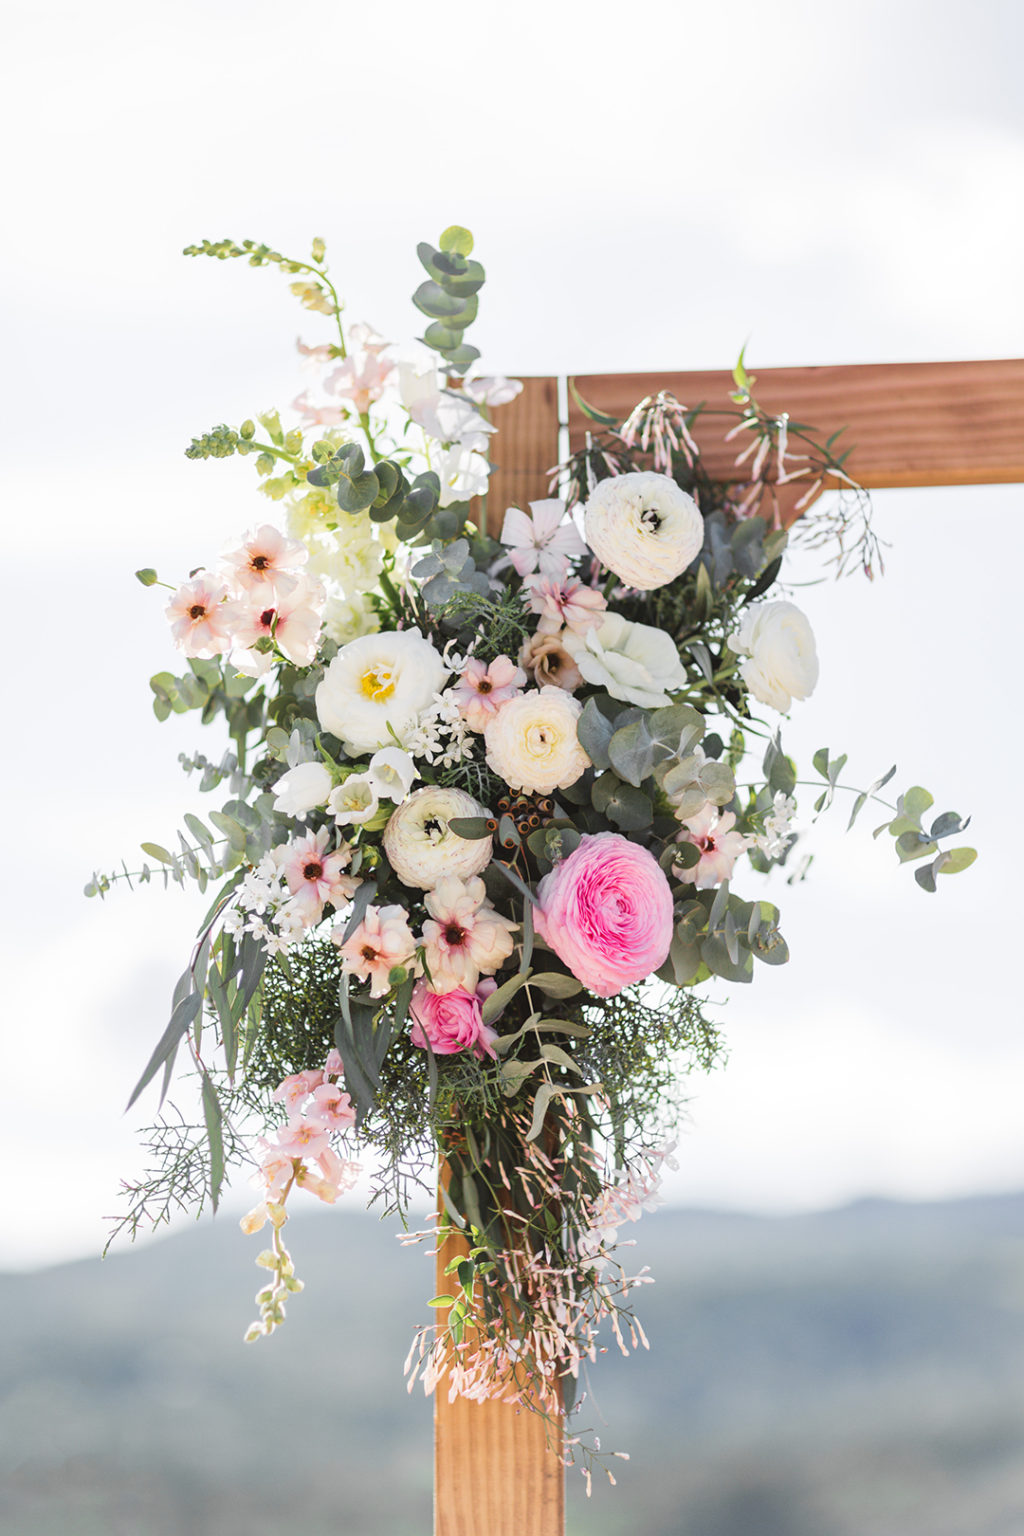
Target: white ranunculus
{"x": 421, "y": 846}
{"x": 633, "y": 662}
{"x": 643, "y": 527}
{"x": 532, "y": 742}
{"x": 783, "y": 659}
{"x": 302, "y": 789}
{"x": 379, "y": 684}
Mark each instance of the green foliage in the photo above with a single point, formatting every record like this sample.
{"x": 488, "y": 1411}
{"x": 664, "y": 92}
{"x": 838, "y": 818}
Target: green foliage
{"x": 449, "y": 296}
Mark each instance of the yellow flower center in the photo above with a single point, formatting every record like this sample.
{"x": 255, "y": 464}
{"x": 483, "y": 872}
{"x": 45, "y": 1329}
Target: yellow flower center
{"x": 377, "y": 683}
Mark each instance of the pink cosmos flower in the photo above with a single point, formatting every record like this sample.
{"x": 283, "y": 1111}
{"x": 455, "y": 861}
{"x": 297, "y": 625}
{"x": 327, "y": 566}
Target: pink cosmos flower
{"x": 292, "y": 620}
{"x": 450, "y": 1022}
{"x": 545, "y": 541}
{"x": 606, "y": 911}
{"x": 362, "y": 376}
{"x": 720, "y": 846}
{"x": 464, "y": 934}
{"x": 382, "y": 940}
{"x": 201, "y": 619}
{"x": 482, "y": 690}
{"x": 570, "y": 604}
{"x": 266, "y": 562}
{"x": 313, "y": 415}
{"x": 302, "y": 1138}
{"x": 314, "y": 876}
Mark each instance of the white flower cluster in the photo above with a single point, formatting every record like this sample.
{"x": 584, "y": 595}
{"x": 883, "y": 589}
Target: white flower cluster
{"x": 440, "y": 736}
{"x": 777, "y": 827}
{"x": 262, "y": 899}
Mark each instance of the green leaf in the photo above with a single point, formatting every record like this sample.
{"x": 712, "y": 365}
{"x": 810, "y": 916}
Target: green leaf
{"x": 472, "y": 827}
{"x": 545, "y": 1093}
{"x": 914, "y": 845}
{"x": 631, "y": 752}
{"x": 594, "y": 732}
{"x": 441, "y": 1301}
{"x": 154, "y": 851}
{"x": 561, "y": 1058}
{"x": 946, "y": 825}
{"x": 433, "y": 301}
{"x": 627, "y": 807}
{"x": 956, "y": 859}
{"x": 494, "y": 1004}
{"x": 820, "y": 761}
{"x": 715, "y": 954}
{"x": 555, "y": 984}
{"x": 915, "y": 802}
{"x": 589, "y": 411}
{"x": 215, "y": 1136}
{"x": 185, "y": 1011}
{"x": 456, "y": 238}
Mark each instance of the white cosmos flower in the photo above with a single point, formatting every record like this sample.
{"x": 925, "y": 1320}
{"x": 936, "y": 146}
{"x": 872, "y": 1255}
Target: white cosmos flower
{"x": 391, "y": 774}
{"x": 377, "y": 685}
{"x": 353, "y": 801}
{"x": 643, "y": 527}
{"x": 420, "y": 845}
{"x": 783, "y": 659}
{"x": 634, "y": 662}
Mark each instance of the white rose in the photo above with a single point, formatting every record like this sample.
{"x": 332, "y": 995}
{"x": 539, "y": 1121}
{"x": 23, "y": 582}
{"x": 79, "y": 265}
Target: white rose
{"x": 643, "y": 527}
{"x": 379, "y": 684}
{"x": 633, "y": 662}
{"x": 420, "y": 845}
{"x": 302, "y": 789}
{"x": 532, "y": 742}
{"x": 783, "y": 663}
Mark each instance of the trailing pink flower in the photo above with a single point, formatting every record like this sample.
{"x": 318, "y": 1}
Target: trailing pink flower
{"x": 202, "y": 619}
{"x": 382, "y": 941}
{"x": 570, "y": 604}
{"x": 482, "y": 690}
{"x": 606, "y": 911}
{"x": 449, "y": 1022}
{"x": 332, "y": 1107}
{"x": 296, "y": 1089}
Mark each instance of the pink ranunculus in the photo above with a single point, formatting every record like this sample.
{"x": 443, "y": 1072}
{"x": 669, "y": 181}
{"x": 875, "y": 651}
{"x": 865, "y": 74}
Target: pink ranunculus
{"x": 449, "y": 1021}
{"x": 606, "y": 911}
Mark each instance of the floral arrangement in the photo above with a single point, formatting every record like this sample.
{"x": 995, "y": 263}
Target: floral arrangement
{"x": 486, "y": 800}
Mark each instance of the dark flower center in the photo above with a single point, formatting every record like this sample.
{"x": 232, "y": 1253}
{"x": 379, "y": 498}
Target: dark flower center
{"x": 197, "y": 611}
{"x": 368, "y": 952}
{"x": 652, "y": 518}
{"x": 267, "y": 617}
{"x": 260, "y": 562}
{"x": 453, "y": 934}
{"x": 484, "y": 686}
{"x": 313, "y": 871}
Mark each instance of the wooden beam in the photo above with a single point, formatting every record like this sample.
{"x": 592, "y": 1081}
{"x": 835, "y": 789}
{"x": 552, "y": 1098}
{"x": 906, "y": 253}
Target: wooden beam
{"x": 907, "y": 423}
{"x": 525, "y": 450}
{"x": 493, "y": 1471}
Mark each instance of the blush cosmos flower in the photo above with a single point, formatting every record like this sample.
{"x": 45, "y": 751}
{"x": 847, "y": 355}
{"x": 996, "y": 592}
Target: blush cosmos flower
{"x": 711, "y": 830}
{"x": 606, "y": 911}
{"x": 565, "y": 604}
{"x": 202, "y": 619}
{"x": 643, "y": 527}
{"x": 421, "y": 846}
{"x": 449, "y": 1021}
{"x": 481, "y": 689}
{"x": 464, "y": 935}
{"x": 291, "y": 619}
{"x": 545, "y": 540}
{"x": 377, "y": 684}
{"x": 382, "y": 941}
{"x": 315, "y": 877}
{"x": 265, "y": 561}
{"x": 532, "y": 742}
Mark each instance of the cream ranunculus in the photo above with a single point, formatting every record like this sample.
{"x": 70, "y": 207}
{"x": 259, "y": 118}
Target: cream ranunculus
{"x": 633, "y": 662}
{"x": 420, "y": 845}
{"x": 532, "y": 742}
{"x": 377, "y": 684}
{"x": 643, "y": 527}
{"x": 783, "y": 660}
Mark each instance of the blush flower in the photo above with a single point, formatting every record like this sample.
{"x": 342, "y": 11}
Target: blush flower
{"x": 481, "y": 690}
{"x": 201, "y": 618}
{"x": 711, "y": 830}
{"x": 546, "y": 540}
{"x": 464, "y": 935}
{"x": 565, "y": 604}
{"x": 382, "y": 941}
{"x": 291, "y": 620}
{"x": 314, "y": 876}
{"x": 266, "y": 561}
{"x": 449, "y": 1021}
{"x": 606, "y": 911}
{"x": 548, "y": 662}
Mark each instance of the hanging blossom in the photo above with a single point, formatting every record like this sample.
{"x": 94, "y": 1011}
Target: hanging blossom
{"x": 544, "y": 540}
{"x": 777, "y": 827}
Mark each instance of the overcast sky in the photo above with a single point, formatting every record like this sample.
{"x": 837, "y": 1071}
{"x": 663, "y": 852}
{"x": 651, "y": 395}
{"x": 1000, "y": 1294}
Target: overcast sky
{"x": 837, "y": 184}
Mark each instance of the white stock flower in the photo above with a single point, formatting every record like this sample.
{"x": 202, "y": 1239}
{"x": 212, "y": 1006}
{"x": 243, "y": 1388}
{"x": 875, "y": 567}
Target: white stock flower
{"x": 643, "y": 527}
{"x": 353, "y": 801}
{"x": 633, "y": 662}
{"x": 783, "y": 659}
{"x": 420, "y": 845}
{"x": 463, "y": 473}
{"x": 302, "y": 789}
{"x": 532, "y": 742}
{"x": 346, "y": 618}
{"x": 377, "y": 685}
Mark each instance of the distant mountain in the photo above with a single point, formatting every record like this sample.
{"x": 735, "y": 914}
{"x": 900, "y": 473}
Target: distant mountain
{"x": 857, "y": 1373}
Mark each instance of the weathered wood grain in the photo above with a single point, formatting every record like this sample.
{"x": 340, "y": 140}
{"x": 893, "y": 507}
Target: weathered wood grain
{"x": 525, "y": 449}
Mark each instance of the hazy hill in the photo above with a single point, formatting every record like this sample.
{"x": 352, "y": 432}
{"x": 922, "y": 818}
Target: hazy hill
{"x": 858, "y": 1373}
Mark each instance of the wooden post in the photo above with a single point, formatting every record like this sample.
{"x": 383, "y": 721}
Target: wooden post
{"x": 909, "y": 424}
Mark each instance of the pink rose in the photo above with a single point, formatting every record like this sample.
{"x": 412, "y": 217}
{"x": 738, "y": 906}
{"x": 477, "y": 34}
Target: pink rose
{"x": 450, "y": 1021}
{"x": 606, "y": 911}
